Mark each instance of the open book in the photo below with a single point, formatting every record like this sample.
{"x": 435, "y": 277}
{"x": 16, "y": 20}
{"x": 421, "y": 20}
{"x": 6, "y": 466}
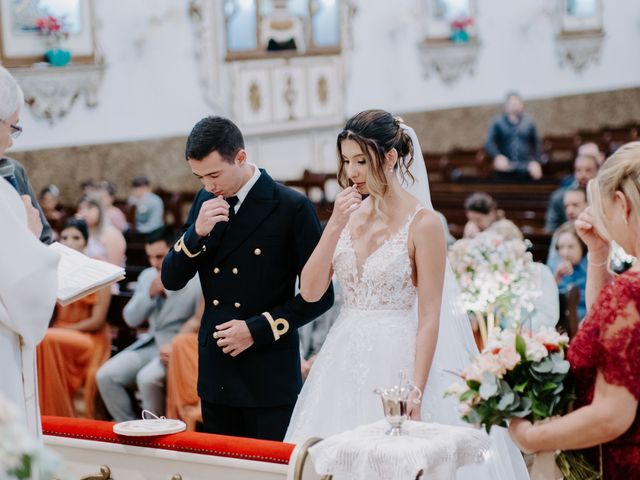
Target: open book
{"x": 79, "y": 275}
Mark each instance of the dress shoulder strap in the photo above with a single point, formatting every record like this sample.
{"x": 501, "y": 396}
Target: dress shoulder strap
{"x": 418, "y": 209}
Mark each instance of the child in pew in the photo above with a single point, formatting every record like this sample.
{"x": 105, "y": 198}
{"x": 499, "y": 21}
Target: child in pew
{"x": 572, "y": 269}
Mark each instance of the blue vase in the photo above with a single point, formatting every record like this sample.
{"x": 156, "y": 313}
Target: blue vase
{"x": 459, "y": 36}
{"x": 58, "y": 57}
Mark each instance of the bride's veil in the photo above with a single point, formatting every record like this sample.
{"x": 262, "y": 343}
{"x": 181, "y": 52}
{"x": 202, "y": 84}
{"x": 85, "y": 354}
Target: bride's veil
{"x": 455, "y": 350}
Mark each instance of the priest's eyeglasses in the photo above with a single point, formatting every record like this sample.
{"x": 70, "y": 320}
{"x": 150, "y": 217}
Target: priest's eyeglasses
{"x": 16, "y": 130}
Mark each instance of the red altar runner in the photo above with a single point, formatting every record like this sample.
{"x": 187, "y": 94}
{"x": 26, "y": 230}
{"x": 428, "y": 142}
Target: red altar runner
{"x": 188, "y": 442}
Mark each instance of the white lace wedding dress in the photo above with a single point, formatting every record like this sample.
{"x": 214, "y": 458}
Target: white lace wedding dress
{"x": 373, "y": 339}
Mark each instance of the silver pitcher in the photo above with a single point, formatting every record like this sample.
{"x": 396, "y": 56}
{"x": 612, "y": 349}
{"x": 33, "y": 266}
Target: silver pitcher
{"x": 395, "y": 401}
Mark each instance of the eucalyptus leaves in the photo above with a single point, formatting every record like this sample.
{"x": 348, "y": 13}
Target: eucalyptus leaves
{"x": 519, "y": 374}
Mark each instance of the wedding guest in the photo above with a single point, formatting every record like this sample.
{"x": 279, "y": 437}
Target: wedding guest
{"x": 88, "y": 186}
{"x": 14, "y": 172}
{"x": 182, "y": 379}
{"x": 149, "y": 206}
{"x": 575, "y": 202}
{"x": 513, "y": 142}
{"x": 116, "y": 217}
{"x": 482, "y": 214}
{"x": 605, "y": 354}
{"x": 105, "y": 241}
{"x": 589, "y": 148}
{"x": 50, "y": 203}
{"x": 585, "y": 168}
{"x": 77, "y": 343}
{"x": 572, "y": 269}
{"x": 143, "y": 363}
{"x": 593, "y": 149}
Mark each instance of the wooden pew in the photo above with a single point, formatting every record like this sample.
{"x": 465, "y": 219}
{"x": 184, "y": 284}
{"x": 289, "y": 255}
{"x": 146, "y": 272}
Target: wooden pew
{"x": 465, "y": 164}
{"x": 312, "y": 181}
{"x": 559, "y": 154}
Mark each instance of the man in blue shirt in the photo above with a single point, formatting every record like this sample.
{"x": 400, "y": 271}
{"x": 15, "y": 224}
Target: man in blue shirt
{"x": 513, "y": 142}
{"x": 149, "y": 206}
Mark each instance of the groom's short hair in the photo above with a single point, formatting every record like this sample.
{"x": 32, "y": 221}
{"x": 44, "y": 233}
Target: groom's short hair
{"x": 214, "y": 134}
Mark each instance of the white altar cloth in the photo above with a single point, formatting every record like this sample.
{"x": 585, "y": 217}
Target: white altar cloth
{"x": 425, "y": 450}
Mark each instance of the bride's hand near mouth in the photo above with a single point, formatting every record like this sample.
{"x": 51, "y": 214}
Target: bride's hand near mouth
{"x": 317, "y": 272}
{"x": 346, "y": 203}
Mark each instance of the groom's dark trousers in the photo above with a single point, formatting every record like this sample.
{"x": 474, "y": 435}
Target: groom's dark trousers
{"x": 248, "y": 269}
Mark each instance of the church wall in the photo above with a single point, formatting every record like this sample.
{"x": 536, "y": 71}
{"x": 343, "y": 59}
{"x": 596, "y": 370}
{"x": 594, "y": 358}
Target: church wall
{"x": 151, "y": 93}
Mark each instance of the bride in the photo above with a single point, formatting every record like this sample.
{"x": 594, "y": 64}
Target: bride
{"x": 389, "y": 254}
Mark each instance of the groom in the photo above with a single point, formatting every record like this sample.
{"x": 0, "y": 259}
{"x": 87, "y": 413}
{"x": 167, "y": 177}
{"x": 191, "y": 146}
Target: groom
{"x": 248, "y": 238}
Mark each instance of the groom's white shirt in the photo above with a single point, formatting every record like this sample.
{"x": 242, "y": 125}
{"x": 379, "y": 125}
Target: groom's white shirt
{"x": 246, "y": 188}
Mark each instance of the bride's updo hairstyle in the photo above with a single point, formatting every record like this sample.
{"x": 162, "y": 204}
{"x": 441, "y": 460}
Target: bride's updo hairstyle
{"x": 377, "y": 132}
{"x": 620, "y": 173}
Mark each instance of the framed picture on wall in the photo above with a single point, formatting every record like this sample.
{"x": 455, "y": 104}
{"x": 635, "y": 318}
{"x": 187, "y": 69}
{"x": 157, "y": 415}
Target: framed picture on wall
{"x": 450, "y": 20}
{"x": 581, "y": 16}
{"x": 28, "y": 28}
{"x": 282, "y": 28}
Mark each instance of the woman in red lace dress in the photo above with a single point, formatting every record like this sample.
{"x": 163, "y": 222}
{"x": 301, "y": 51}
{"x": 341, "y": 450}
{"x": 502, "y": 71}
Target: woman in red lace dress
{"x": 605, "y": 354}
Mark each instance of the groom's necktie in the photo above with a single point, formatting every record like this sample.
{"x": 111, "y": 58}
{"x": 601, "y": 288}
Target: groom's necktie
{"x": 232, "y": 201}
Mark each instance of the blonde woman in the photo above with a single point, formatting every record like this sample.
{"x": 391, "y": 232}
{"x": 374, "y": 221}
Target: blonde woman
{"x": 605, "y": 354}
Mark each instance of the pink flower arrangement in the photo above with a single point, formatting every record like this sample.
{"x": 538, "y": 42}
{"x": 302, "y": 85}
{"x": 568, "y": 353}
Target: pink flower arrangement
{"x": 461, "y": 23}
{"x": 53, "y": 29}
{"x": 518, "y": 374}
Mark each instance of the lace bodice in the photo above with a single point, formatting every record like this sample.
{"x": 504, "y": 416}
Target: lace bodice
{"x": 609, "y": 341}
{"x": 383, "y": 282}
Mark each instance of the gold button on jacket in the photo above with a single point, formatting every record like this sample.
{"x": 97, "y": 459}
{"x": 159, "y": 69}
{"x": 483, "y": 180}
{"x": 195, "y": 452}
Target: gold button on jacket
{"x": 216, "y": 270}
{"x": 216, "y": 303}
{"x": 257, "y": 251}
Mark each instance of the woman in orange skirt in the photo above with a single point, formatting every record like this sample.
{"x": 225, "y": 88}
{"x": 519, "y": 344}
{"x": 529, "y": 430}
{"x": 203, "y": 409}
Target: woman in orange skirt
{"x": 75, "y": 345}
{"x": 182, "y": 373}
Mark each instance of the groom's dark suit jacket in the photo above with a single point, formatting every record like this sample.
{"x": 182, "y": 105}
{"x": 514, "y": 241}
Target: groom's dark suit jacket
{"x": 248, "y": 270}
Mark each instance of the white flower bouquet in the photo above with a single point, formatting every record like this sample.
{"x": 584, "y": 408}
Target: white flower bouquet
{"x": 494, "y": 277}
{"x": 20, "y": 453}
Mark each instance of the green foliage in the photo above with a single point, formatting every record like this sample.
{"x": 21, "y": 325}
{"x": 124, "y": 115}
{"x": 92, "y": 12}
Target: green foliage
{"x": 24, "y": 470}
{"x": 534, "y": 390}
